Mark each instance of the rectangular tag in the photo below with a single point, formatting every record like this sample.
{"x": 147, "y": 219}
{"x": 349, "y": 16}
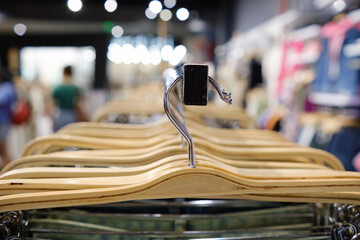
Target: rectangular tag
{"x": 195, "y": 84}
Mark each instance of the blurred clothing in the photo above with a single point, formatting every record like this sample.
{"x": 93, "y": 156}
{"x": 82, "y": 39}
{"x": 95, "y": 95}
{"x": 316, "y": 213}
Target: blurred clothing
{"x": 356, "y": 162}
{"x": 256, "y": 77}
{"x": 349, "y": 75}
{"x": 66, "y": 97}
{"x": 64, "y": 117}
{"x": 4, "y": 130}
{"x": 345, "y": 145}
{"x": 8, "y": 98}
{"x": 337, "y": 67}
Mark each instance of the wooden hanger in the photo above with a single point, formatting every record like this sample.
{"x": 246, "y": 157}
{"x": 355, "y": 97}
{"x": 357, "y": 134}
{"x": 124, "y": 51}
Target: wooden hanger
{"x": 92, "y": 171}
{"x": 117, "y": 131}
{"x": 234, "y": 153}
{"x": 162, "y": 140}
{"x": 280, "y": 180}
{"x": 126, "y": 108}
{"x": 211, "y": 181}
{"x": 108, "y": 161}
{"x": 125, "y": 157}
{"x": 221, "y": 112}
{"x": 194, "y": 113}
{"x": 229, "y": 140}
{"x": 60, "y": 159}
{"x": 196, "y": 129}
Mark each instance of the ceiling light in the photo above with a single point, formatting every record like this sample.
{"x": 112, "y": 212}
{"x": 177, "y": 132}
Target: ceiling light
{"x": 74, "y": 5}
{"x": 166, "y": 52}
{"x": 114, "y": 53}
{"x": 155, "y": 56}
{"x": 110, "y": 5}
{"x": 20, "y": 29}
{"x": 170, "y": 3}
{"x": 117, "y": 31}
{"x": 182, "y": 14}
{"x": 339, "y": 5}
{"x": 89, "y": 54}
{"x": 165, "y": 15}
{"x": 155, "y": 6}
{"x": 149, "y": 14}
{"x": 129, "y": 54}
{"x": 143, "y": 54}
{"x": 178, "y": 54}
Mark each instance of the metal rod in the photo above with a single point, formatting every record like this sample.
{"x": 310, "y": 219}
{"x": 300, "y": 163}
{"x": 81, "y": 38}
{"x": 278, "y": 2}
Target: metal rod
{"x": 169, "y": 85}
{"x": 225, "y": 96}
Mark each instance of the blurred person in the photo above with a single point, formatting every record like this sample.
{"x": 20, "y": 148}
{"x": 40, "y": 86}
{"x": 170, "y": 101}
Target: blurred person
{"x": 40, "y": 98}
{"x": 67, "y": 97}
{"x": 8, "y": 98}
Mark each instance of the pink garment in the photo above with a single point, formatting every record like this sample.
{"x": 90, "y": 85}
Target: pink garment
{"x": 356, "y": 162}
{"x": 287, "y": 68}
{"x": 335, "y": 32}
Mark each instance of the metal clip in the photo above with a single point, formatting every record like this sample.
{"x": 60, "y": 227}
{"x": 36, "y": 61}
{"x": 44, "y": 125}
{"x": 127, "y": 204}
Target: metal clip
{"x": 169, "y": 85}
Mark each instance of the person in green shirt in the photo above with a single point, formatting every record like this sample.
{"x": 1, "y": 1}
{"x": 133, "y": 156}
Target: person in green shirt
{"x": 66, "y": 97}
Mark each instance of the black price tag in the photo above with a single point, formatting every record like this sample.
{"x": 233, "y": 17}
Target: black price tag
{"x": 195, "y": 84}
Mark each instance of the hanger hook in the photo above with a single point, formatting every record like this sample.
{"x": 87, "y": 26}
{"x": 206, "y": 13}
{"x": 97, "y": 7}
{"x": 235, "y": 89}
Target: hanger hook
{"x": 169, "y": 85}
{"x": 225, "y": 96}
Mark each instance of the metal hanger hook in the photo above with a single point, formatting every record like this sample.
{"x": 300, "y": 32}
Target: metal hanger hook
{"x": 169, "y": 85}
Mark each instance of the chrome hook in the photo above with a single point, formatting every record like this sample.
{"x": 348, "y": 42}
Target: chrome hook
{"x": 170, "y": 83}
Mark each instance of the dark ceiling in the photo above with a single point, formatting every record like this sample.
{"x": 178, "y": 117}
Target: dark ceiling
{"x": 127, "y": 10}
{"x": 45, "y": 16}
{"x": 51, "y": 23}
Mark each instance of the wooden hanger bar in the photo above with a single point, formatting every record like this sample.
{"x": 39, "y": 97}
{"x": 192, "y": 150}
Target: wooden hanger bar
{"x": 160, "y": 141}
{"x": 211, "y": 180}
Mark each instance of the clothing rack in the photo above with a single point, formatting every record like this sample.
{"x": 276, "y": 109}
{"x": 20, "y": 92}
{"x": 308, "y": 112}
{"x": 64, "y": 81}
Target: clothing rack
{"x": 171, "y": 219}
{"x": 258, "y": 186}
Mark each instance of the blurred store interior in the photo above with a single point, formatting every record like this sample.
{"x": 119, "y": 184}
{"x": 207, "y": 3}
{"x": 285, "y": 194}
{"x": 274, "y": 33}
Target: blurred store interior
{"x": 293, "y": 66}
